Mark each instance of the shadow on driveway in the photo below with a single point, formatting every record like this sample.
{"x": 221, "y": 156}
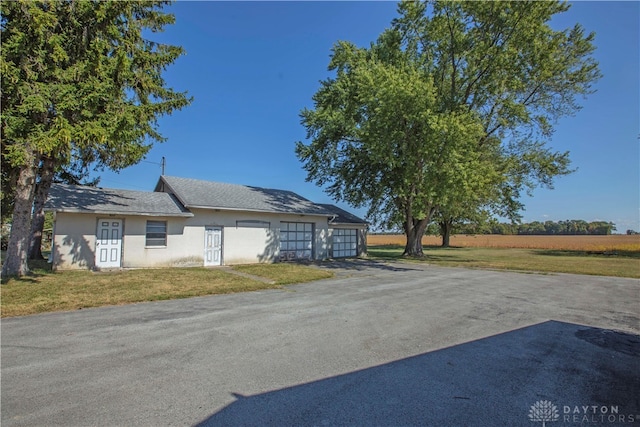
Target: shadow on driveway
{"x": 359, "y": 264}
{"x": 589, "y": 375}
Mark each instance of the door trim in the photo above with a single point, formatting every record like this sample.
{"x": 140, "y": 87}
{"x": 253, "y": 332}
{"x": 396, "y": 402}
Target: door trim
{"x": 221, "y": 258}
{"x": 110, "y": 246}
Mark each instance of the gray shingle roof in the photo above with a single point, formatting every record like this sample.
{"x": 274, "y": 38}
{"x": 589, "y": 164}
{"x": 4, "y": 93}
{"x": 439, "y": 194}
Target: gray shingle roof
{"x": 215, "y": 195}
{"x": 173, "y": 196}
{"x": 78, "y": 198}
{"x": 342, "y": 216}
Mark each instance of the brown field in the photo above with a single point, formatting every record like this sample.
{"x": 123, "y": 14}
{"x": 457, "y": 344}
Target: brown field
{"x": 617, "y": 242}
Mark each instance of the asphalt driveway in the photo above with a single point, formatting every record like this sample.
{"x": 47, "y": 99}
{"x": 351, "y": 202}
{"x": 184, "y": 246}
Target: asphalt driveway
{"x": 381, "y": 344}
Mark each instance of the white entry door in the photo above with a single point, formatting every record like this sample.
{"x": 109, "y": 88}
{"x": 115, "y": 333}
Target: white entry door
{"x": 109, "y": 243}
{"x": 213, "y": 246}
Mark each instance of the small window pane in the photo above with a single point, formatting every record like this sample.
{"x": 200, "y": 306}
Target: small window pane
{"x": 156, "y": 234}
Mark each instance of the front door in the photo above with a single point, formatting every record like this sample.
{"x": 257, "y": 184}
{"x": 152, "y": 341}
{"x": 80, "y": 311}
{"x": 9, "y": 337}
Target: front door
{"x": 213, "y": 246}
{"x": 109, "y": 243}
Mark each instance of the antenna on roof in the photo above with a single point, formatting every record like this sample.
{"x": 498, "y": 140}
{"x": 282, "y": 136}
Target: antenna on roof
{"x": 162, "y": 164}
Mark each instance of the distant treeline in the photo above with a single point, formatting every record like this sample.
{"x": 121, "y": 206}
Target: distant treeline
{"x": 560, "y": 228}
{"x": 570, "y": 227}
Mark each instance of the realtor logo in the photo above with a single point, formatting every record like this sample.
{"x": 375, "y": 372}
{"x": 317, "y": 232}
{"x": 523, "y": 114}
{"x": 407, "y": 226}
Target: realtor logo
{"x": 543, "y": 411}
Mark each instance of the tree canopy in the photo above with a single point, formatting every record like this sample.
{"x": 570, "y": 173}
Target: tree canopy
{"x": 79, "y": 81}
{"x": 449, "y": 111}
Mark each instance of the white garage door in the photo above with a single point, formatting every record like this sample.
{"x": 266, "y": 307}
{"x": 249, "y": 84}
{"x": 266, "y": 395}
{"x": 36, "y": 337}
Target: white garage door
{"x": 345, "y": 243}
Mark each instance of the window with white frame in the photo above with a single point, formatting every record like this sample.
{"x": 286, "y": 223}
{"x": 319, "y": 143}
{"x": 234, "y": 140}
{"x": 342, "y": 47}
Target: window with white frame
{"x": 156, "y": 233}
{"x": 344, "y": 243}
{"x": 296, "y": 240}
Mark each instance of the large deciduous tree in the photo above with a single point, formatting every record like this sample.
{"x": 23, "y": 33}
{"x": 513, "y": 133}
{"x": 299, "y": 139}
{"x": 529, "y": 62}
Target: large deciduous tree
{"x": 77, "y": 77}
{"x": 450, "y": 109}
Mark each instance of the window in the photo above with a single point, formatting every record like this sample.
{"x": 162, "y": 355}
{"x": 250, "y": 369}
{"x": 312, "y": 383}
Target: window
{"x": 345, "y": 243}
{"x": 156, "y": 233}
{"x": 296, "y": 240}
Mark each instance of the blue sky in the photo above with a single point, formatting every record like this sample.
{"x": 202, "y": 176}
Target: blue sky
{"x": 252, "y": 66}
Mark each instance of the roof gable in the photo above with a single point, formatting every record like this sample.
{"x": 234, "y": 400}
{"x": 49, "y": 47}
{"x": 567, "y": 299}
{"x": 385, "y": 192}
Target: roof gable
{"x": 84, "y": 199}
{"x": 195, "y": 193}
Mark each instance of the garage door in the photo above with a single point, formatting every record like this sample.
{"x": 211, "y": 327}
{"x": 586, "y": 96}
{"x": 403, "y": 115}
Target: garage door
{"x": 345, "y": 243}
{"x": 296, "y": 240}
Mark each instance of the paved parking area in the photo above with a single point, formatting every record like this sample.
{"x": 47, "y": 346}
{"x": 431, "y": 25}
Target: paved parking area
{"x": 380, "y": 344}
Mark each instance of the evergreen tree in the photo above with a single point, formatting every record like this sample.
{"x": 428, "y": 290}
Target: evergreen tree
{"x": 77, "y": 77}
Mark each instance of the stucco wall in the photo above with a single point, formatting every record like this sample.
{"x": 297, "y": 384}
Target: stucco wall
{"x": 253, "y": 237}
{"x": 247, "y": 238}
{"x": 180, "y": 251}
{"x": 246, "y": 245}
{"x": 74, "y": 241}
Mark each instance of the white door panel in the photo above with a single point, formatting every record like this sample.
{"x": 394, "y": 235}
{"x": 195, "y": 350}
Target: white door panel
{"x": 213, "y": 246}
{"x": 109, "y": 243}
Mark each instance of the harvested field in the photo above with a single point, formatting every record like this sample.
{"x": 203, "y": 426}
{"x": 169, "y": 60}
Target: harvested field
{"x": 574, "y": 243}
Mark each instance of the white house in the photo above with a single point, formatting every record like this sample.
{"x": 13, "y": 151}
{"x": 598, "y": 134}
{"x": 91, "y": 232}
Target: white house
{"x": 189, "y": 222}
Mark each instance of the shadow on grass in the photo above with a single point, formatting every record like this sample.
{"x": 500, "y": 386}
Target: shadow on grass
{"x": 31, "y": 278}
{"x": 448, "y": 258}
{"x": 574, "y": 253}
{"x": 431, "y": 253}
{"x": 39, "y": 268}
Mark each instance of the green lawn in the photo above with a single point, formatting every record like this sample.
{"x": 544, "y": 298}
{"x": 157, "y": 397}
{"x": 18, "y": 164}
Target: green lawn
{"x": 71, "y": 290}
{"x": 620, "y": 264}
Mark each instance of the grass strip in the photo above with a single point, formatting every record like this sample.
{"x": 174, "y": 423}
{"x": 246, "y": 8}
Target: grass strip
{"x": 619, "y": 264}
{"x": 47, "y": 291}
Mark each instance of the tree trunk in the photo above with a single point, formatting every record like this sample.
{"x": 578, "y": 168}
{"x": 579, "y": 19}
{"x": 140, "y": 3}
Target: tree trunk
{"x": 37, "y": 223}
{"x": 410, "y": 248}
{"x": 15, "y": 263}
{"x": 445, "y": 231}
{"x": 414, "y": 230}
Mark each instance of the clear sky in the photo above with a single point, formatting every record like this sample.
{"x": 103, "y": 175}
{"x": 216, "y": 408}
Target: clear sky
{"x": 252, "y": 66}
